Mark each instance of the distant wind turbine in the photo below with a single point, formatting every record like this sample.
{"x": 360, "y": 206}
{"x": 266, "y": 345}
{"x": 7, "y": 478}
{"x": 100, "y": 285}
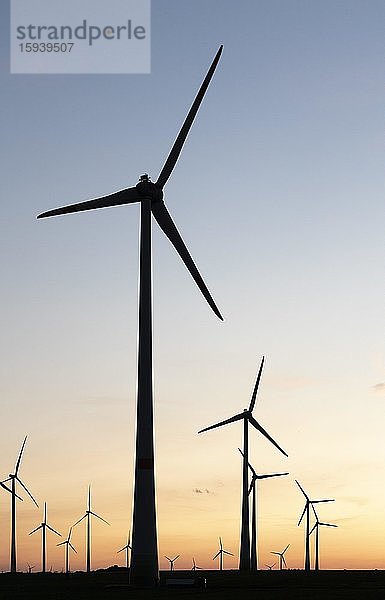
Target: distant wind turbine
{"x": 253, "y": 490}
{"x": 68, "y": 545}
{"x": 172, "y": 560}
{"x": 30, "y": 567}
{"x": 44, "y": 526}
{"x": 87, "y": 515}
{"x": 315, "y": 528}
{"x": 247, "y": 417}
{"x": 127, "y": 548}
{"x": 270, "y": 566}
{"x": 220, "y": 553}
{"x": 144, "y": 558}
{"x": 195, "y": 566}
{"x": 306, "y": 510}
{"x": 281, "y": 555}
{"x": 13, "y": 478}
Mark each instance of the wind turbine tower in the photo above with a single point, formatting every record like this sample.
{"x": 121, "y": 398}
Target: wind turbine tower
{"x": 144, "y": 558}
{"x": 87, "y": 515}
{"x": 315, "y": 528}
{"x": 44, "y": 526}
{"x": 13, "y": 478}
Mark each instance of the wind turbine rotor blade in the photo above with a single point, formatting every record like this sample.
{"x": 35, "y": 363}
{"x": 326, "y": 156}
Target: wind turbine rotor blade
{"x": 254, "y": 396}
{"x": 71, "y": 546}
{"x": 36, "y": 529}
{"x": 28, "y": 492}
{"x": 226, "y": 422}
{"x": 314, "y": 511}
{"x": 314, "y": 527}
{"x": 77, "y": 522}
{"x": 264, "y": 432}
{"x": 220, "y": 543}
{"x": 302, "y": 490}
{"x": 249, "y": 465}
{"x": 175, "y": 557}
{"x": 285, "y": 549}
{"x": 327, "y": 524}
{"x": 121, "y": 550}
{"x": 278, "y": 554}
{"x": 127, "y": 196}
{"x": 167, "y": 225}
{"x": 217, "y": 554}
{"x": 178, "y": 144}
{"x": 319, "y": 501}
{"x": 53, "y": 530}
{"x": 5, "y": 487}
{"x": 271, "y": 475}
{"x": 229, "y": 553}
{"x": 62, "y": 543}
{"x": 20, "y": 454}
{"x": 284, "y": 561}
{"x": 95, "y": 515}
{"x": 251, "y": 487}
{"x": 301, "y": 517}
{"x": 167, "y": 558}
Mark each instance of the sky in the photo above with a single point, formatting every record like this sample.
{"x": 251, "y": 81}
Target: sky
{"x": 278, "y": 194}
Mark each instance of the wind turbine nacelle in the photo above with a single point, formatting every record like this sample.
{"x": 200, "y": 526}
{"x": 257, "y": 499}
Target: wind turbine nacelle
{"x": 147, "y": 189}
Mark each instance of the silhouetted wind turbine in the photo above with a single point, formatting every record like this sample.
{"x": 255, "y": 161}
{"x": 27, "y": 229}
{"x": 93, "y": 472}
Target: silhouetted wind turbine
{"x": 127, "y": 547}
{"x": 172, "y": 560}
{"x": 253, "y": 490}
{"x": 306, "y": 510}
{"x": 195, "y": 566}
{"x": 316, "y": 526}
{"x": 43, "y": 526}
{"x": 144, "y": 558}
{"x": 68, "y": 545}
{"x": 30, "y": 567}
{"x": 220, "y": 553}
{"x": 13, "y": 477}
{"x": 247, "y": 417}
{"x": 281, "y": 555}
{"x": 87, "y": 515}
{"x": 270, "y": 566}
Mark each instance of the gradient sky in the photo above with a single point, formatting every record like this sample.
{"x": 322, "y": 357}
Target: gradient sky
{"x": 279, "y": 196}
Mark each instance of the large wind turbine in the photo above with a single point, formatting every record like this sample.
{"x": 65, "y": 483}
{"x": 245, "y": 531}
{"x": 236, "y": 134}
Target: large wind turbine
{"x": 87, "y": 515}
{"x": 13, "y": 478}
{"x": 144, "y": 559}
{"x": 281, "y": 555}
{"x": 68, "y": 545}
{"x": 315, "y": 528}
{"x": 44, "y": 526}
{"x": 247, "y": 417}
{"x": 220, "y": 553}
{"x": 306, "y": 510}
{"x": 253, "y": 490}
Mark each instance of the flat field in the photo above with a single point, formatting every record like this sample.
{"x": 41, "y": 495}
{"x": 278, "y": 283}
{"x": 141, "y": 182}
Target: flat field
{"x": 227, "y": 585}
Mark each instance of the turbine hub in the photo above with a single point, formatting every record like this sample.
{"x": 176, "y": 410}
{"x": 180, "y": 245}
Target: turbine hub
{"x": 147, "y": 189}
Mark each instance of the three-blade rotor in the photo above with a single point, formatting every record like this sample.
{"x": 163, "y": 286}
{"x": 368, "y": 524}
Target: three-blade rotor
{"x": 146, "y": 189}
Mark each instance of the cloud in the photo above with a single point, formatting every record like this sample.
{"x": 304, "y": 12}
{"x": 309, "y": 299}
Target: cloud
{"x": 379, "y": 388}
{"x": 201, "y": 491}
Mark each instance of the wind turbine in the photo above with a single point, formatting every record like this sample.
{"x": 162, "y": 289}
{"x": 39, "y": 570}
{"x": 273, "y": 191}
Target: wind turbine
{"x": 144, "y": 558}
{"x": 195, "y": 566}
{"x": 68, "y": 545}
{"x": 13, "y": 477}
{"x": 306, "y": 510}
{"x": 270, "y": 567}
{"x": 315, "y": 527}
{"x": 172, "y": 560}
{"x": 220, "y": 553}
{"x": 247, "y": 417}
{"x": 30, "y": 567}
{"x": 253, "y": 490}
{"x": 44, "y": 526}
{"x": 127, "y": 547}
{"x": 281, "y": 555}
{"x": 87, "y": 515}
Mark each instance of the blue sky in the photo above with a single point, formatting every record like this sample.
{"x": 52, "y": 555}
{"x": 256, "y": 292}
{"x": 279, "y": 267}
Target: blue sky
{"x": 279, "y": 196}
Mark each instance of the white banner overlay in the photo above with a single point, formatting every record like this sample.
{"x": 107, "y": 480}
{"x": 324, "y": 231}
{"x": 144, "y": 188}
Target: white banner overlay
{"x": 80, "y": 36}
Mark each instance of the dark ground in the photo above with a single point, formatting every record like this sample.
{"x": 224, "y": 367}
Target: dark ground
{"x": 228, "y": 585}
